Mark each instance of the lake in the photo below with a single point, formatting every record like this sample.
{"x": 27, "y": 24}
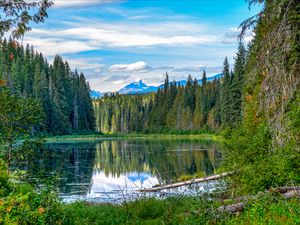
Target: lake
{"x": 111, "y": 170}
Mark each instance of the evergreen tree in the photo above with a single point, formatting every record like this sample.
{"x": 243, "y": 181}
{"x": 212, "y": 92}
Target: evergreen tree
{"x": 204, "y": 98}
{"x": 226, "y": 95}
{"x": 237, "y": 85}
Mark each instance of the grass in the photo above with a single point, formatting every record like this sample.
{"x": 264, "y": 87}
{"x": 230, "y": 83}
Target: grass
{"x": 268, "y": 209}
{"x": 97, "y": 137}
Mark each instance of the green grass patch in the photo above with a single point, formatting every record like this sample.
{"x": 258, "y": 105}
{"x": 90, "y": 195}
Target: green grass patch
{"x": 268, "y": 209}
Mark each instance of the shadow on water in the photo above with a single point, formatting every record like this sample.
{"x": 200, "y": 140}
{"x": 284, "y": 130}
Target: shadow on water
{"x": 104, "y": 170}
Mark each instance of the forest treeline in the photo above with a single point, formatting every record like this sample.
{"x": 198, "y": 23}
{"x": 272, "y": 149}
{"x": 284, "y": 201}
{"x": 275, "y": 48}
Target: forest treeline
{"x": 175, "y": 107}
{"x": 64, "y": 95}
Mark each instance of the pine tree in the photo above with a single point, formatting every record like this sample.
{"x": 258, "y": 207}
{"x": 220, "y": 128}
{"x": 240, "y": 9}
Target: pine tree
{"x": 225, "y": 95}
{"x": 237, "y": 85}
{"x": 204, "y": 98}
{"x": 197, "y": 117}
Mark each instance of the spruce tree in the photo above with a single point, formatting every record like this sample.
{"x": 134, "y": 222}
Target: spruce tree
{"x": 237, "y": 85}
{"x": 225, "y": 95}
{"x": 204, "y": 98}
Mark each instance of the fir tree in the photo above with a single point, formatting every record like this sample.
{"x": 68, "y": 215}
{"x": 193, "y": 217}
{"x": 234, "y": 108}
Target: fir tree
{"x": 237, "y": 85}
{"x": 225, "y": 95}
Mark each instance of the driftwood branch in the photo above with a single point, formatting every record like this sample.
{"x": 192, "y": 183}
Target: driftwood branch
{"x": 186, "y": 183}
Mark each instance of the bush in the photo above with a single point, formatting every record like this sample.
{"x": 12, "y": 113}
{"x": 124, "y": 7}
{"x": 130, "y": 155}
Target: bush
{"x": 22, "y": 204}
{"x": 268, "y": 209}
{"x": 256, "y": 163}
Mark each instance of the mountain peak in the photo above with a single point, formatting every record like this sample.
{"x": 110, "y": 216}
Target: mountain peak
{"x": 137, "y": 87}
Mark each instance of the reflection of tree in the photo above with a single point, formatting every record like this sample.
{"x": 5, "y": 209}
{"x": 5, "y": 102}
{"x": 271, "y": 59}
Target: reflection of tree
{"x": 76, "y": 163}
{"x": 120, "y": 157}
{"x": 71, "y": 163}
{"x": 169, "y": 159}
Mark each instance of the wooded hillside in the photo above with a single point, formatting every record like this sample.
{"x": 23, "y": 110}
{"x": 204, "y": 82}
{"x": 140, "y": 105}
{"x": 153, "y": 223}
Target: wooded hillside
{"x": 64, "y": 95}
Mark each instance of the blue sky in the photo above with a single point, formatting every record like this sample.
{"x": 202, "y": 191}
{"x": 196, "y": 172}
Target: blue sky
{"x": 115, "y": 42}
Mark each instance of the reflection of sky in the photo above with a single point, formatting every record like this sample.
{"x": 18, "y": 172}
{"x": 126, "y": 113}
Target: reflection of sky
{"x": 110, "y": 189}
{"x": 101, "y": 183}
{"x": 120, "y": 168}
{"x": 141, "y": 177}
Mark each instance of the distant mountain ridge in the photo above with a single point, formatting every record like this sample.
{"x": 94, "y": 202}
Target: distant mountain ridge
{"x": 137, "y": 88}
{"x": 140, "y": 87}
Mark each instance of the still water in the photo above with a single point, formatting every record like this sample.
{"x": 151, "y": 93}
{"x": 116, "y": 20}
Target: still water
{"x": 112, "y": 170}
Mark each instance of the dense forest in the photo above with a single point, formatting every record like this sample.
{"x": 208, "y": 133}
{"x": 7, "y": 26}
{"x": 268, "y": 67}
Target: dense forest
{"x": 63, "y": 95}
{"x": 193, "y": 107}
{"x": 265, "y": 148}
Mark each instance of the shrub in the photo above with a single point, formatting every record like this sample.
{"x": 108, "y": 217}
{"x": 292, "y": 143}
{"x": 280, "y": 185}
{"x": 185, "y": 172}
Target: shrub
{"x": 22, "y": 204}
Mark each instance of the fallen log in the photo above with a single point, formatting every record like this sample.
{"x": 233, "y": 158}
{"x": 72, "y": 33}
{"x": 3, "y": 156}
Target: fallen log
{"x": 281, "y": 190}
{"x": 286, "y": 192}
{"x": 285, "y": 189}
{"x": 292, "y": 194}
{"x": 186, "y": 183}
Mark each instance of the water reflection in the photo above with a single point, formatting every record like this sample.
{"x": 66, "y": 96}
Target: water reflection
{"x": 106, "y": 170}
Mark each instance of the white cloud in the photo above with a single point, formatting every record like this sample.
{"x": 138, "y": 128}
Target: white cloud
{"x": 134, "y": 67}
{"x": 51, "y": 45}
{"x": 85, "y": 35}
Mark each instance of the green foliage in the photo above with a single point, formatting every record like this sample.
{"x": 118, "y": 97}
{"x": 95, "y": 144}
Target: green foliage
{"x": 85, "y": 213}
{"x": 18, "y": 117}
{"x": 144, "y": 211}
{"x": 226, "y": 95}
{"x": 237, "y": 86}
{"x": 268, "y": 209}
{"x": 18, "y": 14}
{"x": 247, "y": 154}
{"x": 257, "y": 164}
{"x": 64, "y": 96}
{"x": 21, "y": 204}
{"x": 265, "y": 209}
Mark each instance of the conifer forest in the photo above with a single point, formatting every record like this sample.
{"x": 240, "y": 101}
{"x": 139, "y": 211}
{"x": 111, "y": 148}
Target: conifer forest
{"x": 63, "y": 95}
